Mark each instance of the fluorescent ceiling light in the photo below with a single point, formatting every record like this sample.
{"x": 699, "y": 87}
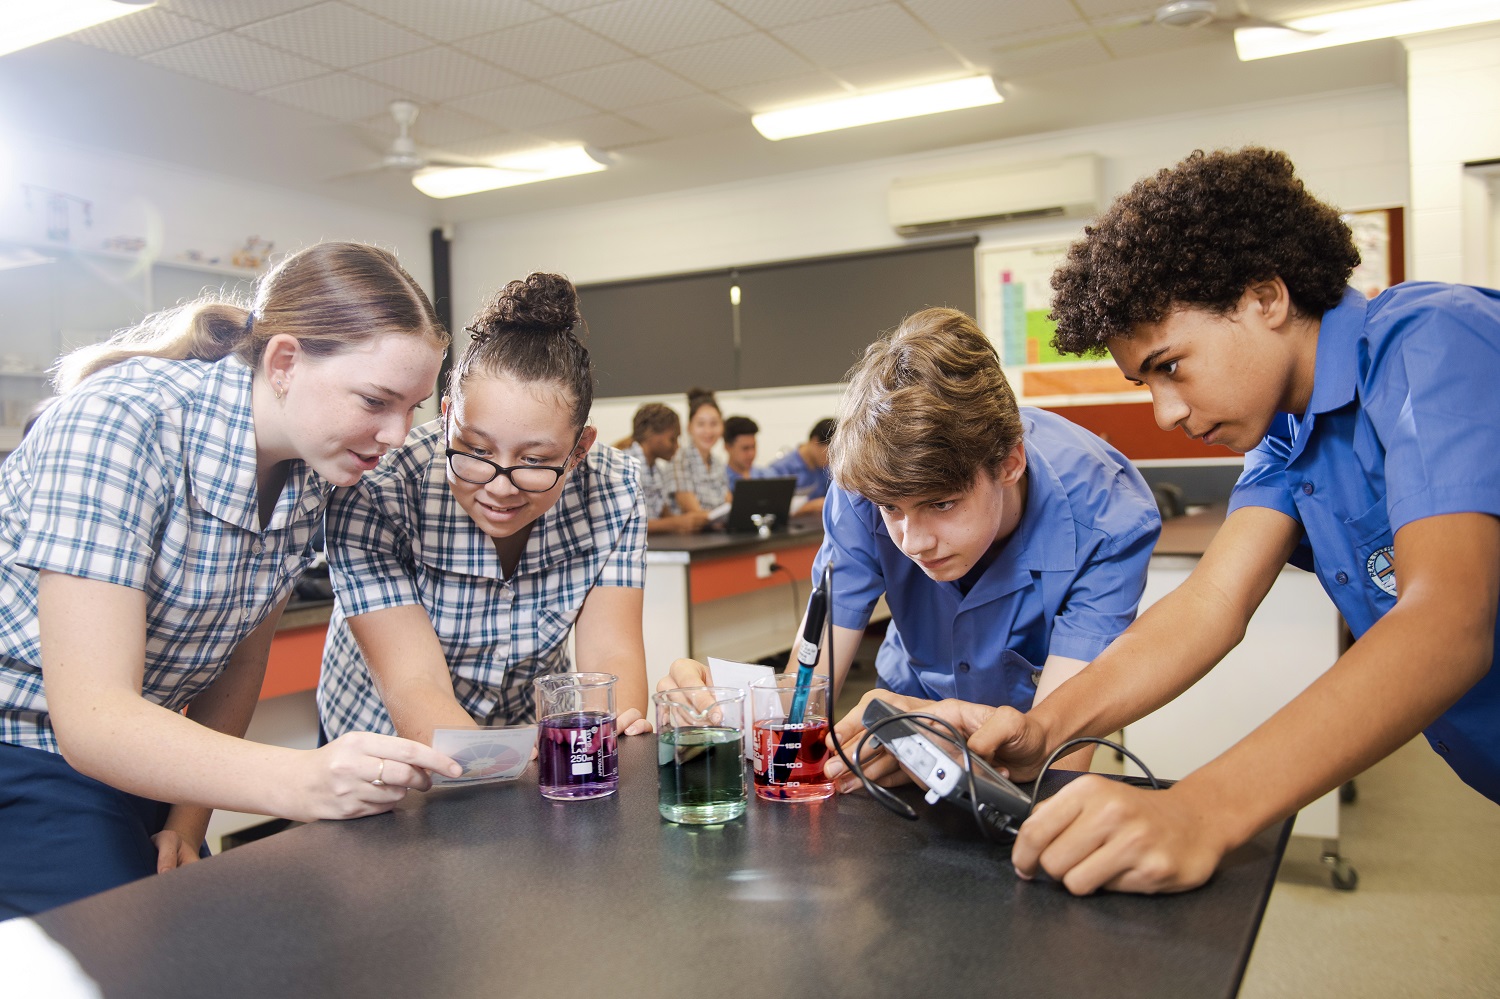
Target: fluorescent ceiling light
{"x": 29, "y": 22}
{"x": 509, "y": 171}
{"x": 866, "y": 109}
{"x": 1362, "y": 24}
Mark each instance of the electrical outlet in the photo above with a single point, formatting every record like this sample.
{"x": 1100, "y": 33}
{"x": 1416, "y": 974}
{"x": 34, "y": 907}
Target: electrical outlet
{"x": 764, "y": 564}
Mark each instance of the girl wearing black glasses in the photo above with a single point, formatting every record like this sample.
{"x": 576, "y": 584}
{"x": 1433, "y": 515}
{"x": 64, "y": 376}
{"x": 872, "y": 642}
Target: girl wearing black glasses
{"x": 462, "y": 563}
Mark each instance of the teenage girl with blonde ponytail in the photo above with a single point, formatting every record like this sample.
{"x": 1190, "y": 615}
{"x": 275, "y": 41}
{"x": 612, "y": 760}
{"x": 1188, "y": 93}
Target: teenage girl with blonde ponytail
{"x": 152, "y": 525}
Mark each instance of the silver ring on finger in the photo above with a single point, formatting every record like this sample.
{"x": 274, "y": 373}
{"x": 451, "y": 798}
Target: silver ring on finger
{"x": 379, "y": 780}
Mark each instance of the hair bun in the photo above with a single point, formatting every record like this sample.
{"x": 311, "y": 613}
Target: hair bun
{"x": 539, "y": 303}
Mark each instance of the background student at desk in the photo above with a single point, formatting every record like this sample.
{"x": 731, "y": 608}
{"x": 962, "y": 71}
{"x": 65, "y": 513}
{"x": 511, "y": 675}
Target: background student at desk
{"x": 654, "y": 433}
{"x": 739, "y": 450}
{"x": 699, "y": 479}
{"x": 808, "y": 463}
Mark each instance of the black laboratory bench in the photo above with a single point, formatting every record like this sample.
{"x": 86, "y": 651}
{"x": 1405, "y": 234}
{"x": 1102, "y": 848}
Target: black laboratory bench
{"x": 493, "y": 890}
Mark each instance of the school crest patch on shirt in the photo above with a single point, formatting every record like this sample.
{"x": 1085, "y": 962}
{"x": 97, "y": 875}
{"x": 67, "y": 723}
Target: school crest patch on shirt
{"x": 1382, "y": 569}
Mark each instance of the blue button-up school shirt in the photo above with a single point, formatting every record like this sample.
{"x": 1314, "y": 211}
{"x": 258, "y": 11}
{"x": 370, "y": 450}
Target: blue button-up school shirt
{"x": 1066, "y": 583}
{"x": 1402, "y": 425}
{"x": 811, "y": 482}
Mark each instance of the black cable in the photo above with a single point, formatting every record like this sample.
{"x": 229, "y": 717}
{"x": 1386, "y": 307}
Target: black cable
{"x": 791, "y": 578}
{"x": 1036, "y": 789}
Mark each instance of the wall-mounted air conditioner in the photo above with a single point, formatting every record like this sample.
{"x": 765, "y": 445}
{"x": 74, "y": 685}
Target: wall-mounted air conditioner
{"x": 1063, "y": 188}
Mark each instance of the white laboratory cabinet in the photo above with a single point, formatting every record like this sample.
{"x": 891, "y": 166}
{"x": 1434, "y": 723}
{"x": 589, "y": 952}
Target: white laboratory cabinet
{"x": 1291, "y": 641}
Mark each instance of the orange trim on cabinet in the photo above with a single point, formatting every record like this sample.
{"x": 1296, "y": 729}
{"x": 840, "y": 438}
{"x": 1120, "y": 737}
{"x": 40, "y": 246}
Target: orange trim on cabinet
{"x": 731, "y": 576}
{"x": 296, "y": 657}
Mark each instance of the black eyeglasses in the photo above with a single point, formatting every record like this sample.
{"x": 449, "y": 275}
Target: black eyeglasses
{"x": 527, "y": 478}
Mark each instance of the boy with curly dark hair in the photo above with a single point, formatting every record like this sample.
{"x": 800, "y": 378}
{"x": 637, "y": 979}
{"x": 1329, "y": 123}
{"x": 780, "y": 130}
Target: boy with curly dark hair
{"x": 1370, "y": 431}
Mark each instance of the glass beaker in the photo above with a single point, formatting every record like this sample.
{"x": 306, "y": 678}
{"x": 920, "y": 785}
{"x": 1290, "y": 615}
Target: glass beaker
{"x": 789, "y": 754}
{"x": 577, "y": 749}
{"x": 700, "y": 766}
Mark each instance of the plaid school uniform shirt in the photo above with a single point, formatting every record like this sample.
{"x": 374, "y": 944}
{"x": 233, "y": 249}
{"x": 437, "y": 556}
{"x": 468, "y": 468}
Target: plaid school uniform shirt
{"x": 708, "y": 480}
{"x": 145, "y": 476}
{"x": 656, "y": 484}
{"x": 399, "y": 537}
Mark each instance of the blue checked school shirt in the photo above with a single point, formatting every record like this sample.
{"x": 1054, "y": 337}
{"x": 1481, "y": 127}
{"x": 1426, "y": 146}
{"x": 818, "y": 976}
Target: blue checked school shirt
{"x": 1067, "y": 582}
{"x": 144, "y": 476}
{"x": 656, "y": 484}
{"x": 708, "y": 480}
{"x": 1402, "y": 425}
{"x": 399, "y": 537}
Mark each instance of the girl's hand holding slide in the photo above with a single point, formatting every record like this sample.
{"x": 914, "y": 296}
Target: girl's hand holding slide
{"x": 685, "y": 673}
{"x": 360, "y": 773}
{"x": 1099, "y": 833}
{"x": 172, "y": 851}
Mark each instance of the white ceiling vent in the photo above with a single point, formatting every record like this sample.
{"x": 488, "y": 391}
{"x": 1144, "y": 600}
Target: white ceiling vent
{"x": 1061, "y": 188}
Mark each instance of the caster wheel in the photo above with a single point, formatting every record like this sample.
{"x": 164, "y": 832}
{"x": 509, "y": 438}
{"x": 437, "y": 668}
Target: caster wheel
{"x": 1349, "y": 793}
{"x": 1344, "y": 877}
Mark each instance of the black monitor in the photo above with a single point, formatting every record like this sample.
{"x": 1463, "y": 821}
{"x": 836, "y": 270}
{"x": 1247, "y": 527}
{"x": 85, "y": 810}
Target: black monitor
{"x": 756, "y": 497}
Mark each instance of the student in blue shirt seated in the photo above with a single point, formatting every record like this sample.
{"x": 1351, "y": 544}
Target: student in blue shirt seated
{"x": 739, "y": 449}
{"x": 152, "y": 526}
{"x": 464, "y": 562}
{"x": 655, "y": 430}
{"x": 1010, "y": 544}
{"x": 1370, "y": 431}
{"x": 699, "y": 481}
{"x": 808, "y": 462}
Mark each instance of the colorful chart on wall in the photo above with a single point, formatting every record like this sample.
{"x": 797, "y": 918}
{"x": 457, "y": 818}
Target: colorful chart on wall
{"x": 1017, "y": 295}
{"x": 1015, "y": 299}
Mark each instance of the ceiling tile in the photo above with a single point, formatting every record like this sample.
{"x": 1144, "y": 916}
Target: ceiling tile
{"x": 775, "y": 13}
{"x": 623, "y": 84}
{"x": 544, "y": 48}
{"x": 235, "y": 62}
{"x": 435, "y": 128}
{"x": 450, "y": 20}
{"x": 336, "y": 34}
{"x": 232, "y": 15}
{"x": 903, "y": 71}
{"x": 958, "y": 20}
{"x": 1029, "y": 60}
{"x": 785, "y": 93}
{"x": 606, "y": 131}
{"x": 735, "y": 62}
{"x": 568, "y": 6}
{"x": 1150, "y": 39}
{"x": 1095, "y": 10}
{"x": 522, "y": 107}
{"x": 341, "y": 96}
{"x": 438, "y": 74}
{"x": 658, "y": 25}
{"x": 858, "y": 37}
{"x": 688, "y": 116}
{"x": 149, "y": 30}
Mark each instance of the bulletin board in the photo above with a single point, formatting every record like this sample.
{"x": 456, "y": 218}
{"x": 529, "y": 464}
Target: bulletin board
{"x": 1380, "y": 237}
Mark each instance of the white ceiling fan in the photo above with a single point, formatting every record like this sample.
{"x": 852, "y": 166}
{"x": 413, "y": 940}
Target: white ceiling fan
{"x": 1179, "y": 15}
{"x": 404, "y": 154}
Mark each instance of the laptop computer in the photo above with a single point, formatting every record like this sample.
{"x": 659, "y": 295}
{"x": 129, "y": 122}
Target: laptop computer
{"x": 760, "y": 496}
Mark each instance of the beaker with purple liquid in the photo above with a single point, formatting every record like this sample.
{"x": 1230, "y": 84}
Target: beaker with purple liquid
{"x": 577, "y": 747}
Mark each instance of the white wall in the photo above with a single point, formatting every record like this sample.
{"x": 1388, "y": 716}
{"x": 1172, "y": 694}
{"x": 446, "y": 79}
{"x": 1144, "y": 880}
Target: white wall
{"x": 1453, "y": 91}
{"x": 180, "y": 209}
{"x": 1351, "y": 147}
